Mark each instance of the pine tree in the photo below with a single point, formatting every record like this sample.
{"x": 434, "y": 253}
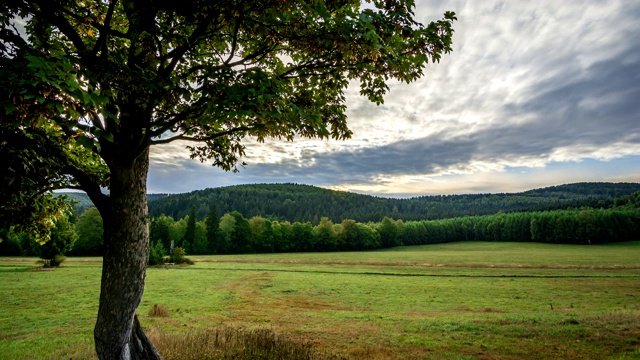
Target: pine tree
{"x": 213, "y": 231}
{"x": 190, "y": 233}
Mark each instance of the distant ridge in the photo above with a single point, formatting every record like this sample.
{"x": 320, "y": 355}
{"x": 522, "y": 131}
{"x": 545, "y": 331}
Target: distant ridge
{"x": 294, "y": 202}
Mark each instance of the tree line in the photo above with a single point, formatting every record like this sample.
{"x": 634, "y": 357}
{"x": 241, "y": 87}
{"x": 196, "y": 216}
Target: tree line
{"x": 236, "y": 234}
{"x": 232, "y": 233}
{"x": 303, "y": 203}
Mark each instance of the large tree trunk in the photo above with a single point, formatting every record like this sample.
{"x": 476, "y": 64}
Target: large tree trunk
{"x": 117, "y": 333}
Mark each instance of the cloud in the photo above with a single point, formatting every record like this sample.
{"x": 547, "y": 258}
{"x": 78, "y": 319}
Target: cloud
{"x": 549, "y": 88}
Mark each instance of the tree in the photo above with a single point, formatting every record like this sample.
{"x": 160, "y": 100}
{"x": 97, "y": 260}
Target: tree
{"x": 388, "y": 230}
{"x": 325, "y": 235}
{"x": 227, "y": 228}
{"x": 303, "y": 236}
{"x": 189, "y": 237}
{"x": 369, "y": 238}
{"x": 30, "y": 173}
{"x": 213, "y": 231}
{"x": 61, "y": 241}
{"x": 177, "y": 230}
{"x": 159, "y": 230}
{"x": 282, "y": 236}
{"x": 89, "y": 230}
{"x": 241, "y": 237}
{"x": 349, "y": 238}
{"x": 262, "y": 234}
{"x": 113, "y": 78}
{"x": 200, "y": 245}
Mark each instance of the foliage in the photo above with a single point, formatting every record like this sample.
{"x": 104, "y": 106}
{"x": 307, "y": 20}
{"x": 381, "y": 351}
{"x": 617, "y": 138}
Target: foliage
{"x": 10, "y": 244}
{"x": 61, "y": 241}
{"x": 241, "y": 236}
{"x": 261, "y": 69}
{"x": 580, "y": 226}
{"x": 215, "y": 241}
{"x": 262, "y": 234}
{"x": 389, "y": 233}
{"x": 200, "y": 245}
{"x": 157, "y": 252}
{"x": 307, "y": 203}
{"x": 189, "y": 237}
{"x": 159, "y": 230}
{"x": 89, "y": 229}
{"x": 179, "y": 256}
{"x": 54, "y": 262}
{"x": 31, "y": 171}
{"x": 326, "y": 236}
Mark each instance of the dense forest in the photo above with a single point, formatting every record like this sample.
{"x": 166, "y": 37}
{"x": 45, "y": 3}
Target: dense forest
{"x": 303, "y": 203}
{"x": 233, "y": 233}
{"x": 569, "y": 214}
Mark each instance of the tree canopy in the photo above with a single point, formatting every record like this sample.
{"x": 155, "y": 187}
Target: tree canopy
{"x": 207, "y": 72}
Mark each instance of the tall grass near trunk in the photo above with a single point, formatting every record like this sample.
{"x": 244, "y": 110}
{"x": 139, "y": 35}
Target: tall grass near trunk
{"x": 225, "y": 342}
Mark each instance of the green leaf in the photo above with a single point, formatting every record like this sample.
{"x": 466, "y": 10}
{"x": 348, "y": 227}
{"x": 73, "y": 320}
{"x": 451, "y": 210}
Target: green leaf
{"x": 84, "y": 141}
{"x": 86, "y": 98}
{"x": 104, "y": 134}
{"x": 8, "y": 108}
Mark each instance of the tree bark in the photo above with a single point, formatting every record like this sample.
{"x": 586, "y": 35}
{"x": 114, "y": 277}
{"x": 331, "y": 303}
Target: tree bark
{"x": 118, "y": 334}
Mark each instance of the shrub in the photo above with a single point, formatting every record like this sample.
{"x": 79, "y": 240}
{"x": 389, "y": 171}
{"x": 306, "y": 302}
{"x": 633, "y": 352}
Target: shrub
{"x": 178, "y": 256}
{"x": 61, "y": 240}
{"x": 156, "y": 254}
{"x": 56, "y": 261}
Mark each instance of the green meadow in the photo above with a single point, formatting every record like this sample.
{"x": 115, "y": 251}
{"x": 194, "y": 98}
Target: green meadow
{"x": 472, "y": 300}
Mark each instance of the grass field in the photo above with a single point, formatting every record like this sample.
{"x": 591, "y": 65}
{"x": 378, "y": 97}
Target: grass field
{"x": 451, "y": 301}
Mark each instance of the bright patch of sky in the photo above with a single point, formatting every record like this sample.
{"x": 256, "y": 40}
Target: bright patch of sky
{"x": 535, "y": 93}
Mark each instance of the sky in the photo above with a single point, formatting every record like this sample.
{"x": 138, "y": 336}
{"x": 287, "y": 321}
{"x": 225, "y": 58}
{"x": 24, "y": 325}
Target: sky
{"x": 534, "y": 94}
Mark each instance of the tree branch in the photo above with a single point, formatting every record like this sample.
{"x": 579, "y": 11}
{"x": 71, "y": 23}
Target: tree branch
{"x": 234, "y": 43}
{"x": 101, "y": 44}
{"x": 49, "y": 13}
{"x": 200, "y": 139}
{"x": 167, "y": 124}
{"x": 177, "y": 53}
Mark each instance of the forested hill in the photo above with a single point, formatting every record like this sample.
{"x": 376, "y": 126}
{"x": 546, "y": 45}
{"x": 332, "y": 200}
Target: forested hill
{"x": 308, "y": 203}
